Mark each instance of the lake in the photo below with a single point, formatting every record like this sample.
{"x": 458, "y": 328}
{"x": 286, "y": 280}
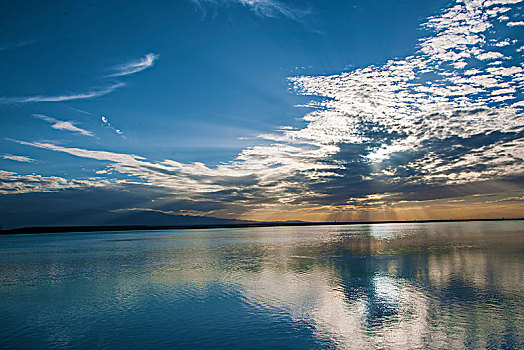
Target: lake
{"x": 447, "y": 285}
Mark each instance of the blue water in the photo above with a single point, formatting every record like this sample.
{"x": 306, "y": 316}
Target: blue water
{"x": 382, "y": 286}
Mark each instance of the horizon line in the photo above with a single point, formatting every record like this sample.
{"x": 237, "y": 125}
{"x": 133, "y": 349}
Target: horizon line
{"x": 246, "y": 224}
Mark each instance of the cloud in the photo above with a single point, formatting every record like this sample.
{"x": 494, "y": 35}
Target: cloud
{"x": 263, "y": 8}
{"x": 134, "y": 66}
{"x": 98, "y": 155}
{"x": 119, "y": 71}
{"x": 13, "y": 183}
{"x": 61, "y": 98}
{"x": 436, "y": 125}
{"x": 12, "y": 46}
{"x": 80, "y": 111}
{"x": 63, "y": 125}
{"x": 22, "y": 159}
{"x": 402, "y": 101}
{"x": 278, "y": 172}
{"x": 502, "y": 43}
{"x": 514, "y": 24}
{"x": 272, "y": 8}
{"x": 489, "y": 55}
{"x": 106, "y": 122}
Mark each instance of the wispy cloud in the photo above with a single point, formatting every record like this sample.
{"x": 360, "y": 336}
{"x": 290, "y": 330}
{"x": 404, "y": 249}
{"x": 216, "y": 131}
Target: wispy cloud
{"x": 264, "y": 8}
{"x": 79, "y": 152}
{"x": 61, "y": 98}
{"x": 63, "y": 125}
{"x": 80, "y": 111}
{"x": 22, "y": 159}
{"x": 119, "y": 71}
{"x": 12, "y": 46}
{"x": 273, "y": 8}
{"x": 134, "y": 66}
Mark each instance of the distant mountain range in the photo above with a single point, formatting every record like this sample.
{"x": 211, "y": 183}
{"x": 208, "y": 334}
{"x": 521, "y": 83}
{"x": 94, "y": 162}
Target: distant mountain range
{"x": 152, "y": 218}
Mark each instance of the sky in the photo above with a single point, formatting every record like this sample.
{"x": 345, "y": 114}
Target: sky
{"x": 261, "y": 110}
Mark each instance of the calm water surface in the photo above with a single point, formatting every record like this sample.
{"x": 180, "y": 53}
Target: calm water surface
{"x": 382, "y": 286}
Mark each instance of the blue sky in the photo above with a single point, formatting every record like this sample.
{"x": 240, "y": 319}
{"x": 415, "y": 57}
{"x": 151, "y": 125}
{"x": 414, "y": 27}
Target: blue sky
{"x": 250, "y": 109}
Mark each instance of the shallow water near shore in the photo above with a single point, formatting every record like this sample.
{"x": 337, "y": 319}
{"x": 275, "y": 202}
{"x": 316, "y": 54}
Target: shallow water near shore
{"x": 446, "y": 285}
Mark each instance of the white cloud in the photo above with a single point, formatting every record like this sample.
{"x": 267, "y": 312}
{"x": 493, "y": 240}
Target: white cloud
{"x": 505, "y": 71}
{"x": 80, "y": 111}
{"x": 61, "y": 98}
{"x": 122, "y": 70}
{"x": 99, "y": 155}
{"x": 270, "y": 169}
{"x": 489, "y": 55}
{"x": 393, "y": 99}
{"x": 514, "y": 24}
{"x": 106, "y": 122}
{"x": 502, "y": 43}
{"x": 63, "y": 125}
{"x": 134, "y": 66}
{"x": 22, "y": 159}
{"x": 489, "y": 3}
{"x": 11, "y": 182}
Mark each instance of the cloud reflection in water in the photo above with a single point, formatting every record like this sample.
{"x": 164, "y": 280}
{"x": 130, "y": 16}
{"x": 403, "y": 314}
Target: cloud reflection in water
{"x": 439, "y": 285}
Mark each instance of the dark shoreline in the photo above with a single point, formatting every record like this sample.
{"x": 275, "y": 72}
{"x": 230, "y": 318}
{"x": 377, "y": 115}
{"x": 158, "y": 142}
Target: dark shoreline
{"x": 65, "y": 229}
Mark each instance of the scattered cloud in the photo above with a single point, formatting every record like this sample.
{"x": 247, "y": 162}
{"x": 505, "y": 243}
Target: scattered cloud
{"x": 440, "y": 124}
{"x": 63, "y": 125}
{"x": 108, "y": 124}
{"x": 400, "y": 114}
{"x": 134, "y": 66}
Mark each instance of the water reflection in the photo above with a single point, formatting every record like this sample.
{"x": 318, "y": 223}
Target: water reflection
{"x": 441, "y": 285}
